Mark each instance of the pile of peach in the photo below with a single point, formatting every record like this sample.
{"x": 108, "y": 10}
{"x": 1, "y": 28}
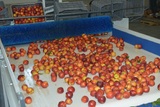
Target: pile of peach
{"x": 1, "y": 8}
{"x": 28, "y": 10}
{"x": 91, "y": 63}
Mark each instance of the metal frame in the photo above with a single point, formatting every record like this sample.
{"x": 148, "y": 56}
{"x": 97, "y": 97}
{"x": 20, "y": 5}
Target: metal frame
{"x": 12, "y": 94}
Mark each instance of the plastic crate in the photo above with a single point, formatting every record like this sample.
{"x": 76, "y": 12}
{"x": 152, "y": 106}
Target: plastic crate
{"x": 70, "y": 7}
{"x": 28, "y": 9}
{"x": 4, "y": 14}
{"x": 117, "y": 12}
{"x": 101, "y": 5}
{"x": 114, "y": 8}
{"x": 134, "y": 8}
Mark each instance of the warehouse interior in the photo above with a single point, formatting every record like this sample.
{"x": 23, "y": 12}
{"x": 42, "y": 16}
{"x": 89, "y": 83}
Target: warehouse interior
{"x": 143, "y": 23}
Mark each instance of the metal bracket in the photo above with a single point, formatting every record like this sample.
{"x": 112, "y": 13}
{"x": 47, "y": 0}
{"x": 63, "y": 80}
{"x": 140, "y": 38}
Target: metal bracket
{"x": 21, "y": 99}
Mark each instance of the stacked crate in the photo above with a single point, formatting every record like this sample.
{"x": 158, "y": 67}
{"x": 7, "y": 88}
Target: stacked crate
{"x": 112, "y": 8}
{"x": 62, "y": 8}
{"x": 134, "y": 8}
{"x": 30, "y": 13}
{"x": 3, "y": 14}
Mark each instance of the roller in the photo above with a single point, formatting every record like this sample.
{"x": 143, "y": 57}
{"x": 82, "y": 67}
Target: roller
{"x": 25, "y": 33}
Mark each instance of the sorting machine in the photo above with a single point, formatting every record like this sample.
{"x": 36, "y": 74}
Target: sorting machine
{"x": 21, "y": 35}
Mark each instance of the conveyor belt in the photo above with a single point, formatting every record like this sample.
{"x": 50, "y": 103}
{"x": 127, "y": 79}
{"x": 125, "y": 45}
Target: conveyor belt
{"x": 48, "y": 95}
